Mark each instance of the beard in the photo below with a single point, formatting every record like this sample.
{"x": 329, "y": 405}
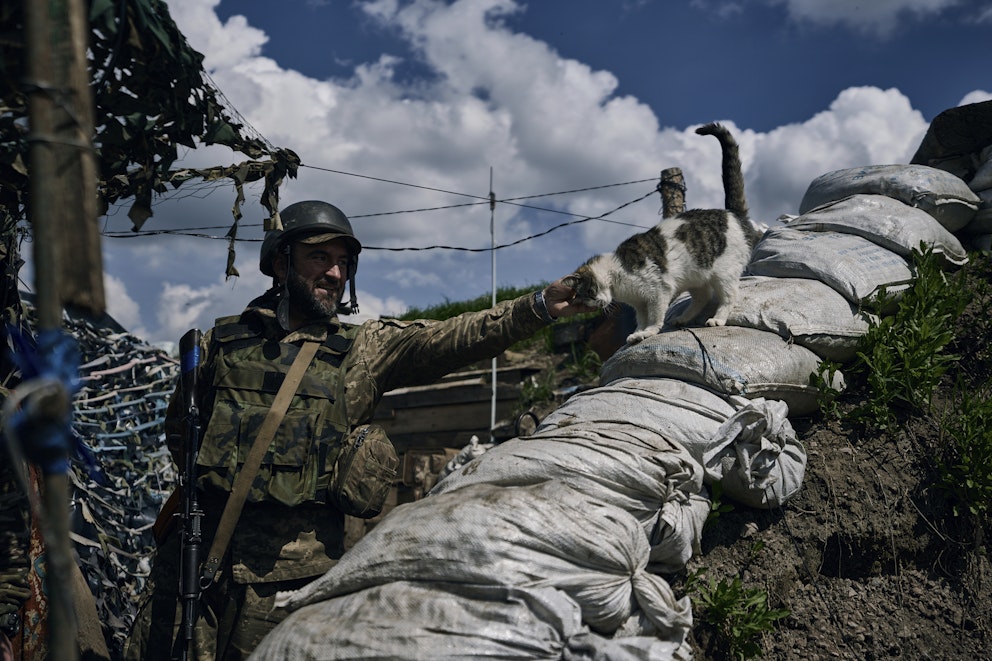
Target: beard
{"x": 303, "y": 296}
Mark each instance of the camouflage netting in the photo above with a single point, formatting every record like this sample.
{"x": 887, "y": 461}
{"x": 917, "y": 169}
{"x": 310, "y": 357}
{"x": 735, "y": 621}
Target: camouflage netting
{"x": 118, "y": 412}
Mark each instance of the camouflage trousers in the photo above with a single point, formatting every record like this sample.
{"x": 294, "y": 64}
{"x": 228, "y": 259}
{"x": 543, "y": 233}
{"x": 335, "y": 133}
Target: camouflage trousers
{"x": 233, "y": 617}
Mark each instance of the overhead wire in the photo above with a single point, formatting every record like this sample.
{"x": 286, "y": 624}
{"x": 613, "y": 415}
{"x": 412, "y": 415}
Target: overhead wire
{"x": 210, "y": 187}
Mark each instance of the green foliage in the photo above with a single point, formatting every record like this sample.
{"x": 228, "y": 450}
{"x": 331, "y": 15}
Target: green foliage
{"x": 826, "y": 393}
{"x": 740, "y": 615}
{"x": 450, "y": 308}
{"x": 537, "y": 389}
{"x": 966, "y": 467}
{"x": 903, "y": 356}
{"x": 585, "y": 366}
{"x": 717, "y": 506}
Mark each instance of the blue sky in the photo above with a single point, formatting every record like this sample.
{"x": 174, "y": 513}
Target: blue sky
{"x": 396, "y": 107}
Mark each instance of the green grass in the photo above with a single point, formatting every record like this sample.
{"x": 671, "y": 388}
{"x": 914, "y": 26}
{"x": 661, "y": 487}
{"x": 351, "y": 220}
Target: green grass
{"x": 449, "y": 308}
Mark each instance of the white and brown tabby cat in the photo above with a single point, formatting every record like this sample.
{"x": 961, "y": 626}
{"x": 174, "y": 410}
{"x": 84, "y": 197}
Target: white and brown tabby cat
{"x": 702, "y": 251}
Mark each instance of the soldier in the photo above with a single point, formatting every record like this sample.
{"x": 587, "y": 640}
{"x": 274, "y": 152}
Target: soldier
{"x": 291, "y": 529}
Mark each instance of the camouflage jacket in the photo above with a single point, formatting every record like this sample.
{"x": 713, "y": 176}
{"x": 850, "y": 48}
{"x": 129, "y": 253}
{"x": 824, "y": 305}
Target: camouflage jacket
{"x": 274, "y": 541}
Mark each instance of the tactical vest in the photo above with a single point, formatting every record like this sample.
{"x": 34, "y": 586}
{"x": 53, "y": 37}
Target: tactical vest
{"x": 247, "y": 372}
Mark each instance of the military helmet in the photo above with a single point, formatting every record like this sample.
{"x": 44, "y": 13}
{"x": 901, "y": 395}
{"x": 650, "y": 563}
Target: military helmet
{"x": 312, "y": 221}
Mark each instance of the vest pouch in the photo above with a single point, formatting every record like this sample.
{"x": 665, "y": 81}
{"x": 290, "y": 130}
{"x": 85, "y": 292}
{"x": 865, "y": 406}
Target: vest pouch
{"x": 364, "y": 472}
{"x": 287, "y": 473}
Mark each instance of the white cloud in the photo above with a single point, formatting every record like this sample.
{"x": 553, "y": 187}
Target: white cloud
{"x": 373, "y": 307}
{"x": 863, "y": 126}
{"x": 976, "y": 97}
{"x": 124, "y": 309}
{"x": 873, "y": 16}
{"x": 406, "y": 278}
{"x": 222, "y": 45}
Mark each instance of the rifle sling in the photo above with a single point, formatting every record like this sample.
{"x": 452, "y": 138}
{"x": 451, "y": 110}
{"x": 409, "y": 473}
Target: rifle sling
{"x": 242, "y": 483}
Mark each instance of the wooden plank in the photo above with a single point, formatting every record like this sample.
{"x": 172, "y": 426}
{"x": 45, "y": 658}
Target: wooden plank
{"x": 473, "y": 415}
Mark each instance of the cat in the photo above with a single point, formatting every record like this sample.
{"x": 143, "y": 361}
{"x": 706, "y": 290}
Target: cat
{"x": 702, "y": 251}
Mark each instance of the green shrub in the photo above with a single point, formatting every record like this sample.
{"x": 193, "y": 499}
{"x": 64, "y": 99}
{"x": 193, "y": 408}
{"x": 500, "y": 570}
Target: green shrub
{"x": 537, "y": 389}
{"x": 740, "y": 615}
{"x": 904, "y": 355}
{"x": 966, "y": 466}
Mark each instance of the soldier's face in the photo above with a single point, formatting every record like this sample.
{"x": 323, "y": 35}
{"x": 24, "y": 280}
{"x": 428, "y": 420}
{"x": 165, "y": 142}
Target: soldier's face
{"x": 317, "y": 277}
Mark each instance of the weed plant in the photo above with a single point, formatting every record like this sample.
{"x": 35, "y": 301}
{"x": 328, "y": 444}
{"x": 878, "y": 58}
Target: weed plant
{"x": 904, "y": 355}
{"x": 966, "y": 465}
{"x": 739, "y": 615}
{"x": 717, "y": 504}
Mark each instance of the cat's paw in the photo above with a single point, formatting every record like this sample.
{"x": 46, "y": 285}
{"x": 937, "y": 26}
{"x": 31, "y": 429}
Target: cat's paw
{"x": 714, "y": 321}
{"x": 634, "y": 338}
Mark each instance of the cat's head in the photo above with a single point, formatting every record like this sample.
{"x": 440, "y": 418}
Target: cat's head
{"x": 590, "y": 288}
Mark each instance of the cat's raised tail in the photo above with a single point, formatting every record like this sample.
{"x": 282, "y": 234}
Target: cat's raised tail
{"x": 733, "y": 179}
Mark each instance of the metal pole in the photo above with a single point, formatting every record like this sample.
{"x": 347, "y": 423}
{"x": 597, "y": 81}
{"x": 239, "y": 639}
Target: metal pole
{"x": 492, "y": 260}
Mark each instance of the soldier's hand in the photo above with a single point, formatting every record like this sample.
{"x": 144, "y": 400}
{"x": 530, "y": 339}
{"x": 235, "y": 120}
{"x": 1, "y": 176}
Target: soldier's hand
{"x": 560, "y": 299}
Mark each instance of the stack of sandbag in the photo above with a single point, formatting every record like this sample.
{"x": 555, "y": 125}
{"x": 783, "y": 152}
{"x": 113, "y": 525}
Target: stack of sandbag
{"x": 937, "y": 192}
{"x": 959, "y": 140}
{"x": 858, "y": 228}
{"x": 531, "y": 572}
{"x": 807, "y": 297}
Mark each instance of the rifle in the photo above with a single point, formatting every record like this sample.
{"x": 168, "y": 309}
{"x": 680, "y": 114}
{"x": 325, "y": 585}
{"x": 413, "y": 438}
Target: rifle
{"x": 192, "y": 514}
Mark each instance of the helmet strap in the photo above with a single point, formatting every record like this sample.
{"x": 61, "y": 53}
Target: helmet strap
{"x": 282, "y": 309}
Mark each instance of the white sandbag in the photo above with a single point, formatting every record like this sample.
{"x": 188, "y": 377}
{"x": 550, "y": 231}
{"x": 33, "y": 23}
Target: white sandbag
{"x": 747, "y": 444}
{"x": 545, "y": 535}
{"x": 886, "y": 222}
{"x": 593, "y": 464}
{"x": 853, "y": 266}
{"x": 727, "y": 359}
{"x": 408, "y": 620}
{"x": 941, "y": 194}
{"x": 673, "y": 409}
{"x": 756, "y": 455}
{"x": 616, "y": 462}
{"x": 800, "y": 310}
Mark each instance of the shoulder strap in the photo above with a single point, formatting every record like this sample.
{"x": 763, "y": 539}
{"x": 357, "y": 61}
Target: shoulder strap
{"x": 242, "y": 483}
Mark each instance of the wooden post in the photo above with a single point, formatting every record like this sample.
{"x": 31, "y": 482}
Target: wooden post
{"x": 672, "y": 188}
{"x": 67, "y": 261}
{"x": 62, "y": 209}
